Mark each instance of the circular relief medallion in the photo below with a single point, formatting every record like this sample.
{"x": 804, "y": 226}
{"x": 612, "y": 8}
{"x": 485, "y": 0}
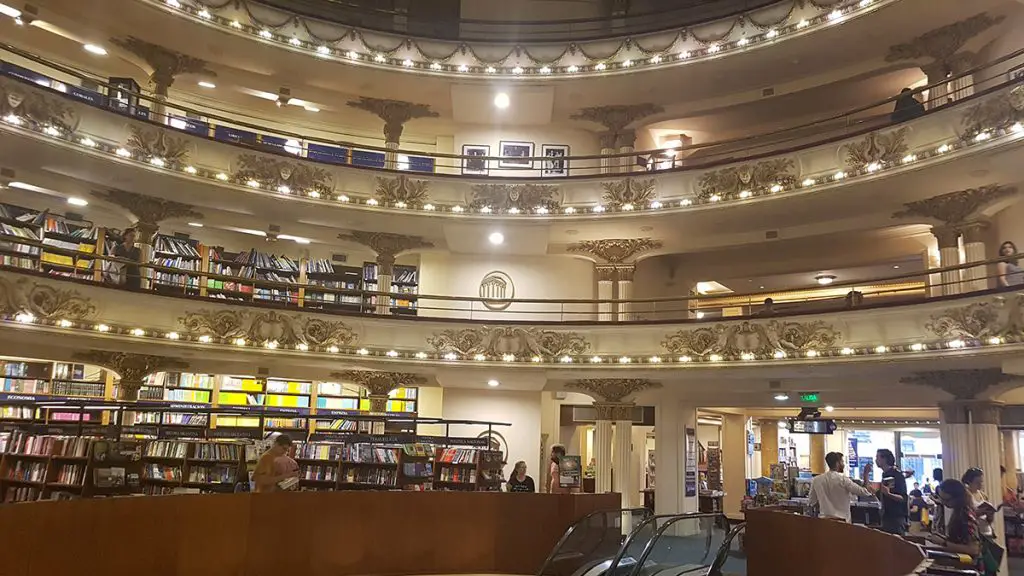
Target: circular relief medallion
{"x": 495, "y": 287}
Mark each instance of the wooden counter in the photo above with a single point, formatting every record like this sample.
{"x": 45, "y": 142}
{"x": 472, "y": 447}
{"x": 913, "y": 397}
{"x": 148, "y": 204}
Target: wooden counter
{"x": 293, "y": 534}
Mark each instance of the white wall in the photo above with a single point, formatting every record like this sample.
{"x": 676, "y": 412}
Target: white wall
{"x": 544, "y": 277}
{"x": 521, "y": 409}
{"x": 580, "y": 142}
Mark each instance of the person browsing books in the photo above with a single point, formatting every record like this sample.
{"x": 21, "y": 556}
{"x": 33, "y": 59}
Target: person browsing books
{"x": 275, "y": 466}
{"x": 127, "y": 250}
{"x": 554, "y": 485}
{"x": 974, "y": 481}
{"x": 518, "y": 481}
{"x": 893, "y": 494}
{"x": 831, "y": 491}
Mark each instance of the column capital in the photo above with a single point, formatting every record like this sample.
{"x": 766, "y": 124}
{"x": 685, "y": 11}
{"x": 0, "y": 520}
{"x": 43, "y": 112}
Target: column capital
{"x": 946, "y": 236}
{"x": 131, "y": 368}
{"x": 606, "y": 140}
{"x": 386, "y": 244}
{"x": 616, "y": 117}
{"x": 394, "y": 113}
{"x": 616, "y": 251}
{"x": 625, "y": 273}
{"x": 605, "y": 273}
{"x": 625, "y": 139}
{"x": 379, "y": 383}
{"x": 166, "y": 63}
{"x": 970, "y": 412}
{"x": 974, "y": 232}
{"x": 613, "y": 411}
{"x": 942, "y": 44}
{"x": 148, "y": 211}
{"x": 961, "y": 384}
{"x": 613, "y": 390}
{"x": 955, "y": 208}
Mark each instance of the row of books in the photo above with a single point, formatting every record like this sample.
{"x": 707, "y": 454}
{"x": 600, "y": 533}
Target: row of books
{"x": 166, "y": 449}
{"x": 318, "y": 472}
{"x": 217, "y": 451}
{"x": 418, "y": 469}
{"x": 186, "y": 250}
{"x": 70, "y": 474}
{"x": 310, "y": 451}
{"x": 87, "y": 389}
{"x": 219, "y": 474}
{"x": 23, "y": 443}
{"x": 365, "y": 453}
{"x": 457, "y": 475}
{"x": 21, "y": 494}
{"x": 161, "y": 472}
{"x": 27, "y": 471}
{"x": 459, "y": 456}
{"x": 375, "y": 476}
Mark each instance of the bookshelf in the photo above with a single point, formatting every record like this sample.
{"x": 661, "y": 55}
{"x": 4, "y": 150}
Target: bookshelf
{"x": 345, "y": 284}
{"x": 405, "y": 281}
{"x": 168, "y": 465}
{"x": 369, "y": 466}
{"x": 417, "y": 471}
{"x": 467, "y": 469}
{"x": 52, "y": 231}
{"x": 182, "y": 254}
{"x": 43, "y": 467}
{"x": 22, "y": 380}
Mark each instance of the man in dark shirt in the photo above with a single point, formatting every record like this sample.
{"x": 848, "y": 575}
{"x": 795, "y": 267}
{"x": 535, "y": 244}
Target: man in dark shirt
{"x": 127, "y": 250}
{"x": 893, "y": 494}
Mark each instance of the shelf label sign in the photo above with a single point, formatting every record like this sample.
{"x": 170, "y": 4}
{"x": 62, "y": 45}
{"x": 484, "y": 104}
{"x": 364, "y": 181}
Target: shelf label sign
{"x": 691, "y": 463}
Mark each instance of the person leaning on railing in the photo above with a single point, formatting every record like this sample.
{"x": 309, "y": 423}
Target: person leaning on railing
{"x": 129, "y": 275}
{"x": 1010, "y": 273}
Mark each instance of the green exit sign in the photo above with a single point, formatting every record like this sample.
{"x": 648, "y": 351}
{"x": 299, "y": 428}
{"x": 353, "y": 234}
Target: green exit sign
{"x": 810, "y": 397}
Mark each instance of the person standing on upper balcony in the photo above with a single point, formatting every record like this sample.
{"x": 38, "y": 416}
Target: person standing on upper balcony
{"x": 1010, "y": 273}
{"x": 907, "y": 107}
{"x": 126, "y": 249}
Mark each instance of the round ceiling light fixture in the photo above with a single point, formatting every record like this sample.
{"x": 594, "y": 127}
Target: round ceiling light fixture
{"x": 496, "y": 238}
{"x": 782, "y": 396}
{"x": 493, "y": 383}
{"x": 824, "y": 279}
{"x": 501, "y": 101}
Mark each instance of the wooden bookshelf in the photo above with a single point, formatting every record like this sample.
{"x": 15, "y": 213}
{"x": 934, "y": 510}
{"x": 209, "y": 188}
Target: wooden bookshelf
{"x": 40, "y": 467}
{"x": 405, "y": 281}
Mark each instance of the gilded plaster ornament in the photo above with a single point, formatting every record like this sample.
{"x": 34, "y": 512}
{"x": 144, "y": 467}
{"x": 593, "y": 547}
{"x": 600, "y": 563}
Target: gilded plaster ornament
{"x": 287, "y": 330}
{"x": 616, "y": 251}
{"x": 888, "y": 148}
{"x": 961, "y": 384}
{"x": 729, "y": 182}
{"x": 955, "y": 208}
{"x": 36, "y": 106}
{"x": 634, "y": 191}
{"x": 274, "y": 173}
{"x": 132, "y": 368}
{"x": 522, "y": 197}
{"x": 612, "y": 390}
{"x": 998, "y": 317}
{"x": 760, "y": 339}
{"x": 496, "y": 341}
{"x": 402, "y": 189}
{"x": 157, "y": 143}
{"x": 25, "y": 296}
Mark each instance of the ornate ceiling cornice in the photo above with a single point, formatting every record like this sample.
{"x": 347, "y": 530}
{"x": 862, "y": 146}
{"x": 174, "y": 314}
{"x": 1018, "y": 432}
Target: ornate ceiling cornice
{"x": 628, "y": 192}
{"x": 166, "y": 64}
{"x": 386, "y": 244}
{"x": 497, "y": 341}
{"x": 150, "y": 143}
{"x": 961, "y": 384}
{"x": 616, "y": 251}
{"x": 379, "y": 383}
{"x": 942, "y": 43}
{"x": 284, "y": 176}
{"x": 132, "y": 368}
{"x": 888, "y": 148}
{"x": 148, "y": 210}
{"x": 270, "y": 329}
{"x": 955, "y": 208}
{"x": 616, "y": 117}
{"x": 733, "y": 181}
{"x": 401, "y": 191}
{"x": 613, "y": 390}
{"x": 752, "y": 340}
{"x": 524, "y": 197}
{"x": 394, "y": 113}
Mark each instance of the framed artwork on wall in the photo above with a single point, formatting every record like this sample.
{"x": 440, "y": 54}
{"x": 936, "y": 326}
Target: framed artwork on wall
{"x": 556, "y": 161}
{"x": 515, "y": 154}
{"x": 475, "y": 165}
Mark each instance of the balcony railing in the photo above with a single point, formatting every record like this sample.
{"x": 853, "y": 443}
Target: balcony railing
{"x": 521, "y": 163}
{"x": 891, "y": 290}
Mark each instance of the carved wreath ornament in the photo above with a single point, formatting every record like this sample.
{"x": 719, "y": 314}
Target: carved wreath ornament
{"x": 263, "y": 327}
{"x": 760, "y": 339}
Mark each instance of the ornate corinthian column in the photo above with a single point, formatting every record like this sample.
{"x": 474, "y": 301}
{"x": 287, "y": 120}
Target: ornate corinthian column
{"x": 394, "y": 113}
{"x": 166, "y": 65}
{"x": 616, "y": 263}
{"x": 615, "y": 119}
{"x": 387, "y": 247}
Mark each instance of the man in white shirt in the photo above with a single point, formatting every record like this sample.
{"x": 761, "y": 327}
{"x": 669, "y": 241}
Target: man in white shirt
{"x": 831, "y": 491}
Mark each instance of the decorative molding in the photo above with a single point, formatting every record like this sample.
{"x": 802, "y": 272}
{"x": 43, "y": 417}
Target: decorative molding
{"x": 961, "y": 384}
{"x": 274, "y": 173}
{"x": 955, "y": 208}
{"x": 616, "y": 117}
{"x": 971, "y": 412}
{"x": 522, "y": 197}
{"x": 149, "y": 211}
{"x": 496, "y": 341}
{"x": 166, "y": 64}
{"x": 761, "y": 339}
{"x": 606, "y": 273}
{"x": 157, "y": 143}
{"x": 729, "y": 182}
{"x": 394, "y": 113}
{"x": 612, "y": 390}
{"x": 999, "y": 111}
{"x": 261, "y": 328}
{"x": 132, "y": 368}
{"x": 25, "y": 296}
{"x": 634, "y": 191}
{"x": 379, "y": 383}
{"x": 401, "y": 190}
{"x": 616, "y": 251}
{"x": 942, "y": 43}
{"x": 33, "y": 104}
{"x": 386, "y": 245}
{"x": 614, "y": 411}
{"x": 999, "y": 317}
{"x": 889, "y": 148}
{"x": 498, "y": 290}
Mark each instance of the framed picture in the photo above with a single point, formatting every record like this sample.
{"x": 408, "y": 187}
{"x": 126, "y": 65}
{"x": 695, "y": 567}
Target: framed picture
{"x": 515, "y": 154}
{"x": 555, "y": 159}
{"x": 476, "y": 165}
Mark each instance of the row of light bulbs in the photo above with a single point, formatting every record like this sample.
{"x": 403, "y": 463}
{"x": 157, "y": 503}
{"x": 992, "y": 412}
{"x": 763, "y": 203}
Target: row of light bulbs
{"x": 880, "y": 350}
{"x": 1016, "y": 129}
{"x": 324, "y": 51}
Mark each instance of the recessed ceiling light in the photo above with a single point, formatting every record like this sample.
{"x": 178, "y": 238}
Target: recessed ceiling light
{"x": 9, "y": 11}
{"x": 311, "y": 108}
{"x": 196, "y": 224}
{"x": 501, "y": 100}
{"x": 824, "y": 279}
{"x": 829, "y": 408}
{"x": 493, "y": 383}
{"x": 74, "y": 201}
{"x": 496, "y": 238}
{"x": 94, "y": 49}
{"x": 782, "y": 396}
{"x": 895, "y": 266}
{"x": 206, "y": 84}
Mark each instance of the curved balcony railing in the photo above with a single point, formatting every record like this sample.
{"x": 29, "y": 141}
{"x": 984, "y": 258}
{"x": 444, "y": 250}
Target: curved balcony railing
{"x": 386, "y": 19}
{"x": 879, "y": 292}
{"x": 539, "y": 50}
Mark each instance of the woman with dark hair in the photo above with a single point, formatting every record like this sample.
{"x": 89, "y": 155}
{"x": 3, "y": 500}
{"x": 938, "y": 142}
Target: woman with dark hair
{"x": 974, "y": 481}
{"x": 962, "y": 534}
{"x": 1010, "y": 273}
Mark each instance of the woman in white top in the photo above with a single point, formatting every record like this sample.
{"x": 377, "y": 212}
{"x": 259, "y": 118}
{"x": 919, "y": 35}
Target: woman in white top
{"x": 974, "y": 480}
{"x": 1010, "y": 272}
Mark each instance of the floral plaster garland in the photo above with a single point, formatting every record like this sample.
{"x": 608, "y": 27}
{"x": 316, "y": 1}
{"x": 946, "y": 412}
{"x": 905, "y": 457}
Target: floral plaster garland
{"x": 330, "y": 40}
